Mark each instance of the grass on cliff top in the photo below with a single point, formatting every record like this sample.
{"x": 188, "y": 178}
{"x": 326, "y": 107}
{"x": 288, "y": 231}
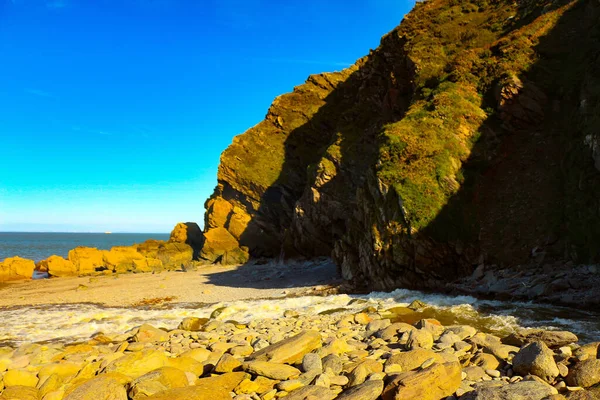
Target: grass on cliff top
{"x": 461, "y": 49}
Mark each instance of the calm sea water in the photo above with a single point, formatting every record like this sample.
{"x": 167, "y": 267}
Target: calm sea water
{"x": 40, "y": 245}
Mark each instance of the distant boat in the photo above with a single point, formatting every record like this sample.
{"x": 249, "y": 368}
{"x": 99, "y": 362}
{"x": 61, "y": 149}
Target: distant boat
{"x": 108, "y": 233}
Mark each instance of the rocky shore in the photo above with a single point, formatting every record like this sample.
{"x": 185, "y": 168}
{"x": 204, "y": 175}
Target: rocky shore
{"x": 367, "y": 355}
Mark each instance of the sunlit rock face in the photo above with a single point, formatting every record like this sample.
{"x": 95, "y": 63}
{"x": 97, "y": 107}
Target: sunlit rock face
{"x": 466, "y": 137}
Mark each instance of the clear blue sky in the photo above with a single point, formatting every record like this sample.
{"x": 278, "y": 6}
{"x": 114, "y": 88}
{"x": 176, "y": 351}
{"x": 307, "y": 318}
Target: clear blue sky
{"x": 113, "y": 113}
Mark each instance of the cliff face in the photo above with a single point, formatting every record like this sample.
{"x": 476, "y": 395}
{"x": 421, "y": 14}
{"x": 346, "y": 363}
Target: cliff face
{"x": 470, "y": 135}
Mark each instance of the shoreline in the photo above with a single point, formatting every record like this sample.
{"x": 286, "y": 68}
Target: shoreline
{"x": 208, "y": 285}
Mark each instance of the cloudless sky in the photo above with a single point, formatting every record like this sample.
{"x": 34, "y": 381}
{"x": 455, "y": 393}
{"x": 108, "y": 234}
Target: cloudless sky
{"x": 113, "y": 113}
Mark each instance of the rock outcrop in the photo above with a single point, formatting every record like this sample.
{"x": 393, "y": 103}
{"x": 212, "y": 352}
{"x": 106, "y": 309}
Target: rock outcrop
{"x": 16, "y": 268}
{"x": 430, "y": 155}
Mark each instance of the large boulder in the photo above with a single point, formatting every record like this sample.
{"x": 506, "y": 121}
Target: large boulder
{"x": 409, "y": 360}
{"x": 188, "y": 233}
{"x": 102, "y": 387}
{"x": 122, "y": 258}
{"x": 57, "y": 266}
{"x": 553, "y": 339}
{"x": 290, "y": 350}
{"x": 536, "y": 359}
{"x": 524, "y": 390}
{"x": 86, "y": 259}
{"x": 172, "y": 255}
{"x": 198, "y": 392}
{"x": 16, "y": 268}
{"x": 585, "y": 373}
{"x": 137, "y": 363}
{"x": 157, "y": 381}
{"x": 432, "y": 383}
{"x": 220, "y": 246}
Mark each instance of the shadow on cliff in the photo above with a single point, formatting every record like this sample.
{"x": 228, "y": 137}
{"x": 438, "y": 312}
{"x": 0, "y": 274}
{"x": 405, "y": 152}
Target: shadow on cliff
{"x": 529, "y": 189}
{"x": 531, "y": 194}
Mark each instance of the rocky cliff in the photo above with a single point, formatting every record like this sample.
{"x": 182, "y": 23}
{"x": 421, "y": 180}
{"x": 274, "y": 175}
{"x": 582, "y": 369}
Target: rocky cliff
{"x": 470, "y": 135}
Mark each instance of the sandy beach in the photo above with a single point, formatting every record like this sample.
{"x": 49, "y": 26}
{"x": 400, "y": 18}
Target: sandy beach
{"x": 205, "y": 285}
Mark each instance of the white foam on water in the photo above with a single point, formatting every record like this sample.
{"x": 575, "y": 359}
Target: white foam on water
{"x": 80, "y": 321}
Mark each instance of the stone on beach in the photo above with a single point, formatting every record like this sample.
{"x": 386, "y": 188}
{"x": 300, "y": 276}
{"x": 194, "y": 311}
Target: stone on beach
{"x": 432, "y": 383}
{"x": 537, "y": 359}
{"x": 553, "y": 339}
{"x": 57, "y": 266}
{"x": 291, "y": 350}
{"x": 16, "y": 268}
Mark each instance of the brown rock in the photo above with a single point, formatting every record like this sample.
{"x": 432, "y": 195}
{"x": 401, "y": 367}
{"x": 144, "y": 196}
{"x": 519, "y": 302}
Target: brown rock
{"x": 99, "y": 388}
{"x": 413, "y": 359}
{"x": 187, "y": 233}
{"x": 16, "y": 268}
{"x": 290, "y": 350}
{"x": 20, "y": 393}
{"x": 432, "y": 383}
{"x": 271, "y": 370}
{"x": 198, "y": 392}
{"x": 57, "y": 266}
{"x": 86, "y": 259}
{"x": 121, "y": 258}
{"x": 585, "y": 373}
{"x": 156, "y": 381}
{"x": 227, "y": 381}
{"x": 536, "y": 359}
{"x": 220, "y": 246}
{"x": 217, "y": 212}
{"x": 553, "y": 339}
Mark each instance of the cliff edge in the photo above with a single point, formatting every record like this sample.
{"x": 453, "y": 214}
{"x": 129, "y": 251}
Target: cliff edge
{"x": 469, "y": 136}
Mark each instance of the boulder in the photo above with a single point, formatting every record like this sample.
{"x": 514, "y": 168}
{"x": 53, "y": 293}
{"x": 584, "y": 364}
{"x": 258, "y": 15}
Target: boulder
{"x": 419, "y": 338}
{"x": 137, "y": 363}
{"x": 227, "y": 381}
{"x": 524, "y": 390}
{"x": 149, "y": 334}
{"x": 271, "y": 370}
{"x": 491, "y": 344}
{"x": 585, "y": 373}
{"x": 290, "y": 350}
{"x": 16, "y": 268}
{"x": 57, "y": 266}
{"x": 86, "y": 259}
{"x": 102, "y": 387}
{"x": 156, "y": 381}
{"x": 311, "y": 392}
{"x": 192, "y": 323}
{"x": 20, "y": 393}
{"x": 174, "y": 256}
{"x": 20, "y": 377}
{"x": 147, "y": 264}
{"x": 187, "y": 233}
{"x": 217, "y": 212}
{"x": 370, "y": 390}
{"x": 432, "y": 383}
{"x": 198, "y": 392}
{"x": 409, "y": 360}
{"x": 220, "y": 246}
{"x": 121, "y": 258}
{"x": 553, "y": 339}
{"x": 536, "y": 359}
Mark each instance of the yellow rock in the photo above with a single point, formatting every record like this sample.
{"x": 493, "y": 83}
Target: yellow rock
{"x": 156, "y": 381}
{"x": 20, "y": 377}
{"x": 228, "y": 381}
{"x": 188, "y": 233}
{"x": 246, "y": 387}
{"x": 102, "y": 387}
{"x": 201, "y": 392}
{"x": 86, "y": 259}
{"x": 56, "y": 395}
{"x": 138, "y": 363}
{"x": 147, "y": 265}
{"x": 53, "y": 376}
{"x": 57, "y": 266}
{"x": 290, "y": 350}
{"x": 121, "y": 258}
{"x": 16, "y": 268}
{"x": 217, "y": 211}
{"x": 432, "y": 383}
{"x": 238, "y": 222}
{"x": 186, "y": 364}
{"x": 192, "y": 323}
{"x": 198, "y": 354}
{"x": 409, "y": 360}
{"x": 20, "y": 393}
{"x": 149, "y": 334}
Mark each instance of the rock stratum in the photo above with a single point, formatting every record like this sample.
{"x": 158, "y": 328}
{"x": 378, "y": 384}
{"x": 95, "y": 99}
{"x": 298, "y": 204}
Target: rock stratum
{"x": 468, "y": 137}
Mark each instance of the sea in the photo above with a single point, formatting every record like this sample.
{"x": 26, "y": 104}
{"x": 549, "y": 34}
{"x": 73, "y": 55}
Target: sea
{"x": 41, "y": 245}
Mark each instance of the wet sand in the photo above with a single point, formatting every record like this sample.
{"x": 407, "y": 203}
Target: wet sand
{"x": 204, "y": 285}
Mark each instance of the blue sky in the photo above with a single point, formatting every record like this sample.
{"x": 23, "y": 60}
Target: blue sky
{"x": 113, "y": 113}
